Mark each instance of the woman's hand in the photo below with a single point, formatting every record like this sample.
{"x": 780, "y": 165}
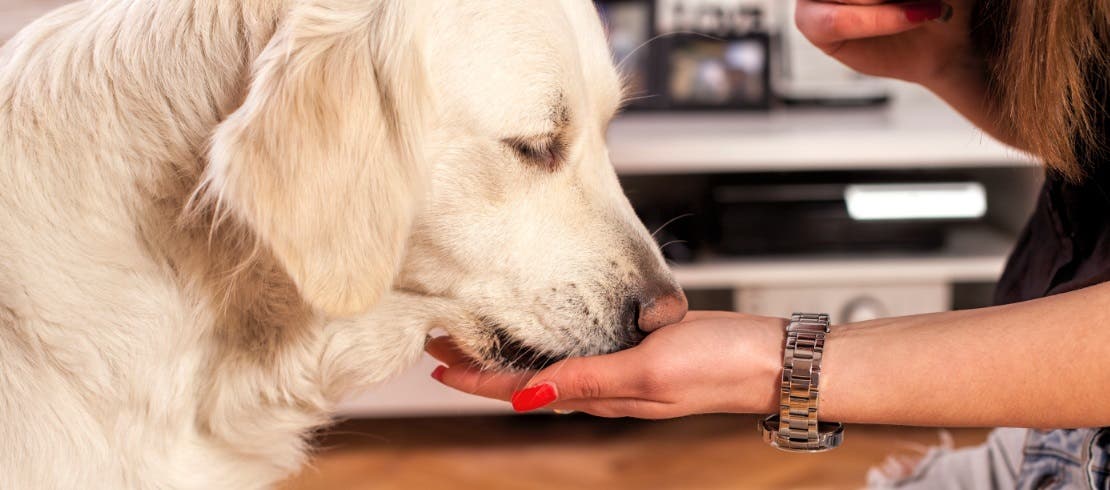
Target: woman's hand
{"x": 923, "y": 42}
{"x": 709, "y": 362}
{"x": 927, "y": 42}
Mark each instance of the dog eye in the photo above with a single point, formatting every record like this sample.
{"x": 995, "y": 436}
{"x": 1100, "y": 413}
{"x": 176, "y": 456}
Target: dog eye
{"x": 546, "y": 152}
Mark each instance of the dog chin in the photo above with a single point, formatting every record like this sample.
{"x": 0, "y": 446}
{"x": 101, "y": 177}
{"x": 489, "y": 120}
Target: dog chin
{"x": 492, "y": 345}
{"x": 509, "y": 353}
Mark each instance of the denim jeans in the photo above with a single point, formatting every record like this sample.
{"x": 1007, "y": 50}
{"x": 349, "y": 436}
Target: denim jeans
{"x": 1060, "y": 459}
{"x": 1014, "y": 459}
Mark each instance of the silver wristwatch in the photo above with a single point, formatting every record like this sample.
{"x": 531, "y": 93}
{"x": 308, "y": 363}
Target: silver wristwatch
{"x": 795, "y": 428}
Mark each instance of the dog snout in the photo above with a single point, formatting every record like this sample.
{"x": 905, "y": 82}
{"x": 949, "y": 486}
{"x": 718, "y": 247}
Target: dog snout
{"x": 663, "y": 308}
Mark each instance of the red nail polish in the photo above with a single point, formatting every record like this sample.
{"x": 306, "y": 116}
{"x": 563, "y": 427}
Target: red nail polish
{"x": 535, "y": 397}
{"x": 924, "y": 12}
{"x": 437, "y": 373}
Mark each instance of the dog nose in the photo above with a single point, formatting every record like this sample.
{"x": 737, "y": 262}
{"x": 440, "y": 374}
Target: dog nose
{"x": 661, "y": 310}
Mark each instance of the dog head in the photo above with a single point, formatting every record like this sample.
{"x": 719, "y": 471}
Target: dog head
{"x": 453, "y": 150}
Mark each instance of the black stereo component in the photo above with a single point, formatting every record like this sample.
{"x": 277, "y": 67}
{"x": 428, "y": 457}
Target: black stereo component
{"x": 810, "y": 219}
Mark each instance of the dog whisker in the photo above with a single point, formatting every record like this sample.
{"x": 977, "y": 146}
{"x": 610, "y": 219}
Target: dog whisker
{"x": 669, "y": 222}
{"x": 627, "y": 57}
{"x": 672, "y": 242}
{"x": 627, "y": 100}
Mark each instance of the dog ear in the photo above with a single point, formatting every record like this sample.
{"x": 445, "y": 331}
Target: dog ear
{"x": 323, "y": 159}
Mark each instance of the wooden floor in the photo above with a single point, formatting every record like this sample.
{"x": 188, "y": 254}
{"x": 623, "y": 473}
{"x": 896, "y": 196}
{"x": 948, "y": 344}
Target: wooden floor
{"x": 580, "y": 452}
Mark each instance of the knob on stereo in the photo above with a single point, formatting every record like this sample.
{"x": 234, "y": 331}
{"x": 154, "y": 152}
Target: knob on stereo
{"x": 862, "y": 309}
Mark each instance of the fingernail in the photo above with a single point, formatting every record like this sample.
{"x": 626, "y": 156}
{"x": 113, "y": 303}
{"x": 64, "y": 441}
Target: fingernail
{"x": 947, "y": 13}
{"x": 437, "y": 373}
{"x": 535, "y": 397}
{"x": 924, "y": 12}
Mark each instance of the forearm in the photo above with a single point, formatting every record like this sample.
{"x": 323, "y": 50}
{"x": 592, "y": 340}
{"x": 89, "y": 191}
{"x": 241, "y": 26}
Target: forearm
{"x": 965, "y": 89}
{"x": 1043, "y": 363}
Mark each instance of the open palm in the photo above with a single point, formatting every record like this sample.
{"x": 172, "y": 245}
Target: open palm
{"x": 708, "y": 362}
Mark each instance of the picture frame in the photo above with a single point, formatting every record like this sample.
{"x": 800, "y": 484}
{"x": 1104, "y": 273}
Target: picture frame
{"x": 725, "y": 68}
{"x": 713, "y": 73}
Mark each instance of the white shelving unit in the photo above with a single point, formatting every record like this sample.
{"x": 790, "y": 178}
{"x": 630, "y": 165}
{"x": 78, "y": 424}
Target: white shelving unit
{"x": 970, "y": 255}
{"x": 803, "y": 140}
{"x": 918, "y": 131}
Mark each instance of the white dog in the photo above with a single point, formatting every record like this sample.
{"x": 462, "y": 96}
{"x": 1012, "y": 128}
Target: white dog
{"x": 219, "y": 216}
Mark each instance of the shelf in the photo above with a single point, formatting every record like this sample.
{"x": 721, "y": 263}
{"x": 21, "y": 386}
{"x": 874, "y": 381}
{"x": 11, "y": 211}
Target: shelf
{"x": 921, "y": 134}
{"x": 971, "y": 255}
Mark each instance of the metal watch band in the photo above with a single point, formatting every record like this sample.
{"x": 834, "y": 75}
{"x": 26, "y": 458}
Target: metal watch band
{"x": 795, "y": 427}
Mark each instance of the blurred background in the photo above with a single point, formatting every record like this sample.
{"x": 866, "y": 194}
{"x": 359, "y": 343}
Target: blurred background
{"x": 779, "y": 181}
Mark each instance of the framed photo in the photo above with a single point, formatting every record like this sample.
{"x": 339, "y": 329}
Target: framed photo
{"x": 731, "y": 72}
{"x": 715, "y": 59}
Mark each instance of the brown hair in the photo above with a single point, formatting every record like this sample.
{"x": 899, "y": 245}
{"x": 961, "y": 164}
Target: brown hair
{"x": 1049, "y": 67}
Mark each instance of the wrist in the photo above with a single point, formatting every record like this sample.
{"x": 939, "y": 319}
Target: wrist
{"x": 771, "y": 374}
{"x": 966, "y": 89}
{"x": 958, "y": 77}
{"x": 959, "y": 85}
{"x": 751, "y": 379}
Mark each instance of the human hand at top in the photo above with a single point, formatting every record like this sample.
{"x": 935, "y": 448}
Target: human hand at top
{"x": 926, "y": 42}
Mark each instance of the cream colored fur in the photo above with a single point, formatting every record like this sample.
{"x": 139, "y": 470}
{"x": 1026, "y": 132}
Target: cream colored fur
{"x": 218, "y": 217}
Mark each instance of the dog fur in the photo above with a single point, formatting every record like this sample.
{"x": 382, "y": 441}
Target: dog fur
{"x": 220, "y": 216}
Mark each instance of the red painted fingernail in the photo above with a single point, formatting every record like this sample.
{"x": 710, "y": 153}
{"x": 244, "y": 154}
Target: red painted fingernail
{"x": 924, "y": 12}
{"x": 437, "y": 373}
{"x": 535, "y": 397}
